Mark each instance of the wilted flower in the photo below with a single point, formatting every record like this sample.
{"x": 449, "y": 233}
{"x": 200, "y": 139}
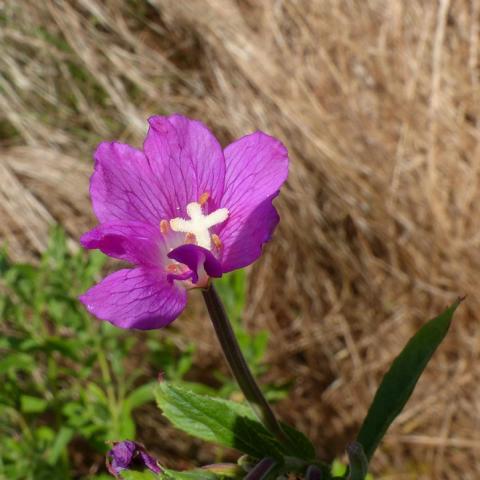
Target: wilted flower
{"x": 182, "y": 211}
{"x": 127, "y": 455}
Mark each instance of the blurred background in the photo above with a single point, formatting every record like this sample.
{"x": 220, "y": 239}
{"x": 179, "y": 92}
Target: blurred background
{"x": 378, "y": 104}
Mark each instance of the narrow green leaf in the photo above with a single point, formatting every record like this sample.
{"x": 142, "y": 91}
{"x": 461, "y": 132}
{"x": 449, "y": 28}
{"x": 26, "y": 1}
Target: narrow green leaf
{"x": 140, "y": 396}
{"x": 146, "y": 475}
{"x": 299, "y": 446}
{"x": 16, "y": 361}
{"x": 64, "y": 436}
{"x": 125, "y": 427}
{"x": 227, "y": 470}
{"x": 399, "y": 382}
{"x": 212, "y": 472}
{"x": 219, "y": 421}
{"x": 190, "y": 475}
{"x": 265, "y": 469}
{"x": 197, "y": 474}
{"x": 29, "y": 404}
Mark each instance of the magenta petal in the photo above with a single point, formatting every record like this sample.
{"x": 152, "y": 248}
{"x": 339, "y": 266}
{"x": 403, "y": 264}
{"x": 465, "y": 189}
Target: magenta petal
{"x": 243, "y": 239}
{"x": 140, "y": 298}
{"x": 123, "y": 186}
{"x": 135, "y": 242}
{"x": 188, "y": 160}
{"x": 127, "y": 455}
{"x": 186, "y": 275}
{"x": 120, "y": 457}
{"x": 196, "y": 258}
{"x": 149, "y": 462}
{"x": 256, "y": 168}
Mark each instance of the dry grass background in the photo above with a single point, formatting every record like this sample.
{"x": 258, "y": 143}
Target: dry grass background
{"x": 378, "y": 103}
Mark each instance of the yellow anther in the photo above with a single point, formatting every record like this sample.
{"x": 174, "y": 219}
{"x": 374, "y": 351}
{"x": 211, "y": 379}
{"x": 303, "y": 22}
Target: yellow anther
{"x": 204, "y": 198}
{"x": 190, "y": 238}
{"x": 164, "y": 226}
{"x": 216, "y": 241}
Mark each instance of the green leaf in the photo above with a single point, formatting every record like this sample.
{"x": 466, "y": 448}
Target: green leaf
{"x": 198, "y": 388}
{"x": 125, "y": 427}
{"x": 68, "y": 347}
{"x": 398, "y": 383}
{"x": 222, "y": 422}
{"x": 16, "y": 361}
{"x": 29, "y": 404}
{"x": 300, "y": 446}
{"x": 224, "y": 470}
{"x": 228, "y": 423}
{"x": 146, "y": 475}
{"x": 232, "y": 289}
{"x": 190, "y": 475}
{"x": 338, "y": 469}
{"x": 61, "y": 441}
{"x": 140, "y": 396}
{"x": 204, "y": 473}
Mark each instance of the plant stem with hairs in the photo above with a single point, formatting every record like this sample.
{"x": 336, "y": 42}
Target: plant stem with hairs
{"x": 238, "y": 365}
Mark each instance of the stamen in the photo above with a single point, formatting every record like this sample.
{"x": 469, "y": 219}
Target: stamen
{"x": 216, "y": 241}
{"x": 172, "y": 268}
{"x": 190, "y": 238}
{"x": 164, "y": 227}
{"x": 203, "y": 198}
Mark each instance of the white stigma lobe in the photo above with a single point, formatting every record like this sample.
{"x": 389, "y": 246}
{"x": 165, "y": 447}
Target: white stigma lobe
{"x": 199, "y": 224}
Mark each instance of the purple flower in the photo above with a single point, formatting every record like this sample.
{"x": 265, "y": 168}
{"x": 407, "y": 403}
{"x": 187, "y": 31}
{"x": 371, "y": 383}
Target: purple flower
{"x": 127, "y": 455}
{"x": 181, "y": 211}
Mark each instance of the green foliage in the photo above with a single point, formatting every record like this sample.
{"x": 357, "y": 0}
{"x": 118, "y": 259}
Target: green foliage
{"x": 197, "y": 474}
{"x": 300, "y": 446}
{"x": 234, "y": 425}
{"x": 65, "y": 376}
{"x": 228, "y": 424}
{"x": 147, "y": 475}
{"x": 215, "y": 420}
{"x": 340, "y": 470}
{"x": 400, "y": 380}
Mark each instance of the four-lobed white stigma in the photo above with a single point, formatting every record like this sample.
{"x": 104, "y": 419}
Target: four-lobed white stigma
{"x": 199, "y": 224}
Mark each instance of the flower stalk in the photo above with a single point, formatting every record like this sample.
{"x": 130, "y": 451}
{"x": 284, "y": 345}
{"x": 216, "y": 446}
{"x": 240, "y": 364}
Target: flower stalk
{"x": 238, "y": 365}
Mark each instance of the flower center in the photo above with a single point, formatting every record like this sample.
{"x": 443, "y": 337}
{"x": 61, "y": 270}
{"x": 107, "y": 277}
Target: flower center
{"x": 199, "y": 224}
